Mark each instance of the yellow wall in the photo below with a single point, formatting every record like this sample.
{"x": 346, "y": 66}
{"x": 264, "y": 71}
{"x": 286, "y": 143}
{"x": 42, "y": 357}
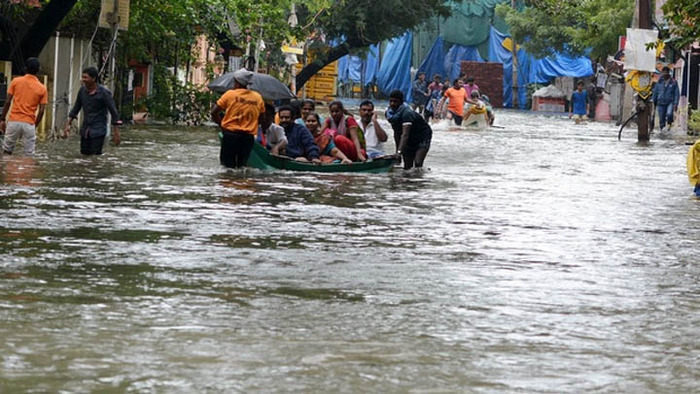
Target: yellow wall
{"x": 322, "y": 86}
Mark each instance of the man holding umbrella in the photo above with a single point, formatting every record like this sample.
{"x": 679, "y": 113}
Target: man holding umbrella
{"x": 243, "y": 110}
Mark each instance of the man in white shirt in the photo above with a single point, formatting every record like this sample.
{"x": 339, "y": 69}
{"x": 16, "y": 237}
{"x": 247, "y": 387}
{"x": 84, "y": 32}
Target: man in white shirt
{"x": 375, "y": 136}
{"x": 275, "y": 139}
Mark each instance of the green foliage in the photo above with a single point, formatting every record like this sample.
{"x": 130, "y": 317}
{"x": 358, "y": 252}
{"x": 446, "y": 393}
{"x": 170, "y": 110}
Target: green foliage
{"x": 371, "y": 21}
{"x": 684, "y": 20}
{"x": 694, "y": 121}
{"x": 177, "y": 102}
{"x": 360, "y": 23}
{"x": 544, "y": 27}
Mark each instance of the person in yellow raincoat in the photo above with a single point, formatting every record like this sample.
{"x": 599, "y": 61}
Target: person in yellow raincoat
{"x": 694, "y": 167}
{"x": 477, "y": 107}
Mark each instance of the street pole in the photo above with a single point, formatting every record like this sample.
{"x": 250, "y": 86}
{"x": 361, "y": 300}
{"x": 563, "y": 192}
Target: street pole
{"x": 514, "y": 61}
{"x": 643, "y": 105}
{"x": 115, "y": 30}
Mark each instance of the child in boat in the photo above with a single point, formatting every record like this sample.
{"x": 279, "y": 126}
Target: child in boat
{"x": 329, "y": 152}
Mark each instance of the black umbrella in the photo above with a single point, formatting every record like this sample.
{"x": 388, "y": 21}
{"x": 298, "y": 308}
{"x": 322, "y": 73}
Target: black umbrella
{"x": 270, "y": 88}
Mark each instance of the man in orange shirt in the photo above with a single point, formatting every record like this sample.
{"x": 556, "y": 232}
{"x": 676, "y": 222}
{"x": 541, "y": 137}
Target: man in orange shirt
{"x": 457, "y": 96}
{"x": 244, "y": 109}
{"x": 26, "y": 95}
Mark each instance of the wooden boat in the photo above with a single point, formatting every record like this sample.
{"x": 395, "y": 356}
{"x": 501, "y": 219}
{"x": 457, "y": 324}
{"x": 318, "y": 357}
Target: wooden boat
{"x": 261, "y": 159}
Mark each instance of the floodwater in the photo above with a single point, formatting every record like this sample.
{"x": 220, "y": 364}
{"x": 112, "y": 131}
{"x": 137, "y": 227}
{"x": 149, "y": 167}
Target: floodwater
{"x": 542, "y": 257}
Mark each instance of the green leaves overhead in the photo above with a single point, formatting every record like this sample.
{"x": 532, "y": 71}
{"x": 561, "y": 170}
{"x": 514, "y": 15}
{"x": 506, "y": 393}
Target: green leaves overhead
{"x": 572, "y": 27}
{"x": 683, "y": 17}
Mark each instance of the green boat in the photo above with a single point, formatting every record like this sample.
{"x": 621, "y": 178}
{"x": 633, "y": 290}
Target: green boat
{"x": 261, "y": 159}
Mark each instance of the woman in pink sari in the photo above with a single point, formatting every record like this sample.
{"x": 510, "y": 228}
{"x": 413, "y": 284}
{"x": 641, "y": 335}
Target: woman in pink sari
{"x": 345, "y": 132}
{"x": 329, "y": 152}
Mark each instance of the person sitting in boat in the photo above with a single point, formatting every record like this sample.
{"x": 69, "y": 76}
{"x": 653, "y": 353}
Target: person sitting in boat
{"x": 300, "y": 142}
{"x": 329, "y": 152}
{"x": 346, "y": 133}
{"x": 412, "y": 133}
{"x": 374, "y": 134}
{"x": 477, "y": 107}
{"x": 271, "y": 135}
{"x": 308, "y": 106}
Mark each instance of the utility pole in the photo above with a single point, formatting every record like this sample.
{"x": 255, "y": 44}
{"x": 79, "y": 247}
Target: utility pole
{"x": 643, "y": 105}
{"x": 114, "y": 25}
{"x": 514, "y": 62}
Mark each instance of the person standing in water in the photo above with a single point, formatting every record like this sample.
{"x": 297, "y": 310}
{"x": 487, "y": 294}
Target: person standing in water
{"x": 412, "y": 133}
{"x": 26, "y": 94}
{"x": 243, "y": 110}
{"x": 578, "y": 107}
{"x": 95, "y": 101}
{"x": 456, "y": 96}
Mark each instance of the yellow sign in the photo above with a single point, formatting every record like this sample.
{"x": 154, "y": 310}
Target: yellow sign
{"x": 292, "y": 50}
{"x": 108, "y": 17}
{"x": 641, "y": 82}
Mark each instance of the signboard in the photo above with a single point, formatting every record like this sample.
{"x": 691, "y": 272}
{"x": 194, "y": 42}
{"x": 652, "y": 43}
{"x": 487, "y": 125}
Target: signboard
{"x": 107, "y": 16}
{"x": 637, "y": 55}
{"x": 292, "y": 50}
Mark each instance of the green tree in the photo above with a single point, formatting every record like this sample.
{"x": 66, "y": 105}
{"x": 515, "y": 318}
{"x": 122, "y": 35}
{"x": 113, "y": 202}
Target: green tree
{"x": 684, "y": 21}
{"x": 573, "y": 27}
{"x": 360, "y": 23}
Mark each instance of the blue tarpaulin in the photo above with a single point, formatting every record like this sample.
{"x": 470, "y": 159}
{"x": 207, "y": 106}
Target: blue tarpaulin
{"x": 371, "y": 65}
{"x": 523, "y": 67}
{"x": 434, "y": 63}
{"x": 499, "y": 54}
{"x": 456, "y": 55}
{"x": 395, "y": 68}
{"x": 355, "y": 69}
{"x": 544, "y": 70}
{"x": 343, "y": 69}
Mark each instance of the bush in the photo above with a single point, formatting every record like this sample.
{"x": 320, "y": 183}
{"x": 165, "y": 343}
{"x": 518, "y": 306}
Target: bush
{"x": 180, "y": 103}
{"x": 694, "y": 122}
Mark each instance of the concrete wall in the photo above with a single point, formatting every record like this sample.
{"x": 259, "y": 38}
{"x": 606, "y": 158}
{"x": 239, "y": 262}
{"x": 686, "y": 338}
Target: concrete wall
{"x": 489, "y": 77}
{"x": 62, "y": 61}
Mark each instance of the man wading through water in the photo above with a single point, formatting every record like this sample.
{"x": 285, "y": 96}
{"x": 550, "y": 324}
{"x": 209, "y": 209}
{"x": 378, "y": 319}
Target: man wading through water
{"x": 95, "y": 100}
{"x": 26, "y": 95}
{"x": 244, "y": 109}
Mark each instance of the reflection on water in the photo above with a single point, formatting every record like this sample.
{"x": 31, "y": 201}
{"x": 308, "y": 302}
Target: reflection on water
{"x": 537, "y": 257}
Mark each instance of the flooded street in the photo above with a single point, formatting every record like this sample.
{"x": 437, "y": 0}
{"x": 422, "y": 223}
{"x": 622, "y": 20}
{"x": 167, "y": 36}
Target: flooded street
{"x": 542, "y": 257}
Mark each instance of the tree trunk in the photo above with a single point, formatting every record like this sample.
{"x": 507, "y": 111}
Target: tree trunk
{"x": 34, "y": 40}
{"x": 315, "y": 66}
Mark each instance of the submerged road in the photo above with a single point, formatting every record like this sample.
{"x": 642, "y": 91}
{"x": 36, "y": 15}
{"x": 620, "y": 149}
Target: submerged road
{"x": 543, "y": 258}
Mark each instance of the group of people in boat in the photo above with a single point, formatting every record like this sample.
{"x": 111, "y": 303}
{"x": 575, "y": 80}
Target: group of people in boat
{"x": 457, "y": 102}
{"x": 298, "y": 132}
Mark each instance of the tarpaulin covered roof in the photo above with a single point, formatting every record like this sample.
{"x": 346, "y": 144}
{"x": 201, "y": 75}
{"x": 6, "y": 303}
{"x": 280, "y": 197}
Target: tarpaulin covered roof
{"x": 544, "y": 70}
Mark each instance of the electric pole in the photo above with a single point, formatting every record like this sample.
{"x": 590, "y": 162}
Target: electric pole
{"x": 643, "y": 104}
